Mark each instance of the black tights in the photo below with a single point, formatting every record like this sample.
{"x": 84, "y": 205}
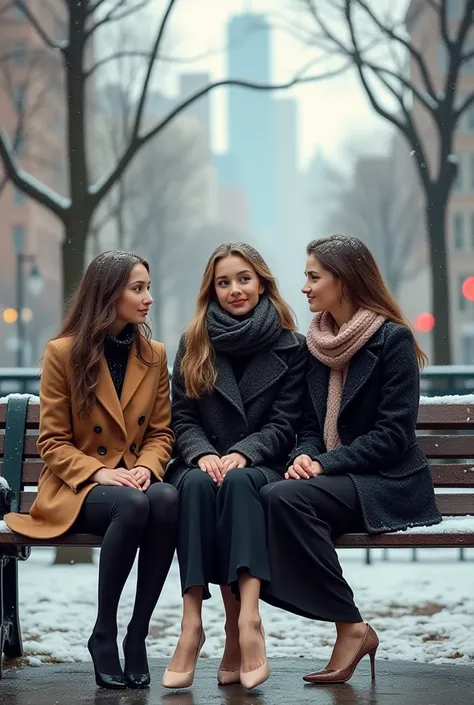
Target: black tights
{"x": 128, "y": 518}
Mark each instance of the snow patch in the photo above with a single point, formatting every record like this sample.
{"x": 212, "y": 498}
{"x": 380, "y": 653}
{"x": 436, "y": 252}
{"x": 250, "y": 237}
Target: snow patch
{"x": 32, "y": 397}
{"x": 449, "y": 399}
{"x": 449, "y": 525}
{"x": 423, "y": 611}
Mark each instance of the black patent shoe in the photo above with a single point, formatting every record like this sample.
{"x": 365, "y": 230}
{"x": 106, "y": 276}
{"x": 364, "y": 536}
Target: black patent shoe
{"x": 135, "y": 680}
{"x": 107, "y": 680}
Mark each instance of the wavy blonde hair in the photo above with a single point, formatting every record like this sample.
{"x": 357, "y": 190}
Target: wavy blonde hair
{"x": 198, "y": 364}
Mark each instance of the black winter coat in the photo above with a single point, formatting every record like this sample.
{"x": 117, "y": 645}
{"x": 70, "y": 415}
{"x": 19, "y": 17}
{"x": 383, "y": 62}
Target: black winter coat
{"x": 257, "y": 416}
{"x": 376, "y": 425}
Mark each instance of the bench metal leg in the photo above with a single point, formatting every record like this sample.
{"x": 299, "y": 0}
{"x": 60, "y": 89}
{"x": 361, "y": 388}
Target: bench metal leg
{"x": 10, "y": 631}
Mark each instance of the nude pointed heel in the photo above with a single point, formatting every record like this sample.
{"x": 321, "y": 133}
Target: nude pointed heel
{"x": 252, "y": 679}
{"x": 174, "y": 679}
{"x": 228, "y": 677}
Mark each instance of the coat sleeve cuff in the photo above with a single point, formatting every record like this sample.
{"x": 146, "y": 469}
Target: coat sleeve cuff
{"x": 246, "y": 450}
{"x": 192, "y": 457}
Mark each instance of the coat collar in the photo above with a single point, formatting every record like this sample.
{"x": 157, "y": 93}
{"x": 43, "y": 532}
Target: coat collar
{"x": 106, "y": 394}
{"x": 359, "y": 371}
{"x": 264, "y": 369}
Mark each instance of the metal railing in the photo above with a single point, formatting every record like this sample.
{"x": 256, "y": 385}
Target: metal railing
{"x": 435, "y": 380}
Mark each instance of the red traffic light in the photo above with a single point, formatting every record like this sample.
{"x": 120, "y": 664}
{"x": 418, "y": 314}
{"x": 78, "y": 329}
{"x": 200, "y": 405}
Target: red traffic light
{"x": 424, "y": 323}
{"x": 468, "y": 288}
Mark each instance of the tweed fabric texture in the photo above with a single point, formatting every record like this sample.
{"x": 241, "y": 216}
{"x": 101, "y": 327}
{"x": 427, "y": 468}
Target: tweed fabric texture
{"x": 376, "y": 424}
{"x": 335, "y": 348}
{"x": 257, "y": 415}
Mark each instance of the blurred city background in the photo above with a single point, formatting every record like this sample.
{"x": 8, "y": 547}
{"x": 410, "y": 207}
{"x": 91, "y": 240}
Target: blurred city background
{"x": 103, "y": 147}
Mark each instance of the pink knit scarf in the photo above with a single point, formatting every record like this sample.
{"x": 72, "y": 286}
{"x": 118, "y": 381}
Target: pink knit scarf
{"x": 336, "y": 350}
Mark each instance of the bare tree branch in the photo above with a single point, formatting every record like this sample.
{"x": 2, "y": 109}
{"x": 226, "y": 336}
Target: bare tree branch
{"x": 111, "y": 16}
{"x": 22, "y": 5}
{"x": 27, "y": 183}
{"x": 154, "y": 52}
{"x": 99, "y": 190}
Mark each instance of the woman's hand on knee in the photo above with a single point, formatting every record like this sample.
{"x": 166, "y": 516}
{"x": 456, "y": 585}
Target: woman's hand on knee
{"x": 304, "y": 467}
{"x": 142, "y": 475}
{"x": 118, "y": 477}
{"x": 212, "y": 464}
{"x": 233, "y": 460}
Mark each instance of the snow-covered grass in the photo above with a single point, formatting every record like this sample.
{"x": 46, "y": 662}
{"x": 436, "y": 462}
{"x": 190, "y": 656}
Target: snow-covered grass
{"x": 422, "y": 611}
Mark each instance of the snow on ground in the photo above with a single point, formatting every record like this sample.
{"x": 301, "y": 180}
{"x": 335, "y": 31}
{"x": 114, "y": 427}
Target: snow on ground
{"x": 422, "y": 611}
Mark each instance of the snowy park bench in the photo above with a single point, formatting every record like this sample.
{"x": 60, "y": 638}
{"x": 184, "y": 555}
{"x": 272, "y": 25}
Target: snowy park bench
{"x": 446, "y": 433}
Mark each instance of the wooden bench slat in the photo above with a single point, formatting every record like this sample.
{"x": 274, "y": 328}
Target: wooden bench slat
{"x": 448, "y": 504}
{"x": 431, "y": 416}
{"x": 402, "y": 540}
{"x": 65, "y": 540}
{"x": 32, "y": 418}
{"x": 439, "y": 416}
{"x": 30, "y": 451}
{"x": 405, "y": 540}
{"x": 31, "y": 471}
{"x": 451, "y": 475}
{"x": 455, "y": 504}
{"x": 444, "y": 446}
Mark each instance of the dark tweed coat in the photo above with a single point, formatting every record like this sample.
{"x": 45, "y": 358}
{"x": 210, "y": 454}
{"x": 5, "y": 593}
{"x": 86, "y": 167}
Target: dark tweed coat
{"x": 257, "y": 417}
{"x": 376, "y": 425}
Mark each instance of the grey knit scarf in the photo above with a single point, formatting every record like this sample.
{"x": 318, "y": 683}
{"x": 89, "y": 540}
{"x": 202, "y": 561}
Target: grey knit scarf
{"x": 243, "y": 335}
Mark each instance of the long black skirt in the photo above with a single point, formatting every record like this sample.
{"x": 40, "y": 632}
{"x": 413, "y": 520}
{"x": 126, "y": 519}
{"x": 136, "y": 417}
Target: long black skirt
{"x": 303, "y": 519}
{"x": 221, "y": 529}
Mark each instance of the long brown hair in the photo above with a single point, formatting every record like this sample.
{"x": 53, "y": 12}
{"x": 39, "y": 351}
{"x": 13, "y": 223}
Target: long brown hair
{"x": 91, "y": 313}
{"x": 351, "y": 261}
{"x": 198, "y": 365}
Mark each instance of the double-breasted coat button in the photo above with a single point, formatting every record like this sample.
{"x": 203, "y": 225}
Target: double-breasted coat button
{"x": 133, "y": 447}
{"x": 213, "y": 438}
{"x": 97, "y": 429}
{"x": 242, "y": 435}
{"x": 102, "y": 450}
{"x": 141, "y": 420}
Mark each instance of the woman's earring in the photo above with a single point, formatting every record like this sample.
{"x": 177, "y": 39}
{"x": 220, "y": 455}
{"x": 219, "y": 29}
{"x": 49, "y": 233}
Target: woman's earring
{"x": 340, "y": 301}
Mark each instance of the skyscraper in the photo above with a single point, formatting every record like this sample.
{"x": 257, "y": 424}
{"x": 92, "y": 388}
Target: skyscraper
{"x": 251, "y": 122}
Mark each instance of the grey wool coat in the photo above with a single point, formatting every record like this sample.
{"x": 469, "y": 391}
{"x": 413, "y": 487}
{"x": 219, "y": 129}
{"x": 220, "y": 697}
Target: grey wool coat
{"x": 376, "y": 425}
{"x": 257, "y": 417}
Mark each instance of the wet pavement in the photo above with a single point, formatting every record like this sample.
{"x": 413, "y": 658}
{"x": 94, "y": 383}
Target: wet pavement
{"x": 397, "y": 683}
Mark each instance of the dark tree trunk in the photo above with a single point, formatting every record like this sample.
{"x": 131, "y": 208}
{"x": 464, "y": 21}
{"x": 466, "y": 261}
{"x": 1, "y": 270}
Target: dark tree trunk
{"x": 435, "y": 221}
{"x": 73, "y": 253}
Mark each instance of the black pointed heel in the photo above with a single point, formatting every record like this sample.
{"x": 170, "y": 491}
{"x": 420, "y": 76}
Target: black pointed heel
{"x": 107, "y": 680}
{"x": 135, "y": 680}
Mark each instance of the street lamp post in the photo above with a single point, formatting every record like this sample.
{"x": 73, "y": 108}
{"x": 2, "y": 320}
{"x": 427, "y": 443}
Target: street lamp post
{"x": 35, "y": 284}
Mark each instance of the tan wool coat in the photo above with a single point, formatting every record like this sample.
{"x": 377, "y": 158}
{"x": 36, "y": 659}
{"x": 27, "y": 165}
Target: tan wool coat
{"x": 134, "y": 430}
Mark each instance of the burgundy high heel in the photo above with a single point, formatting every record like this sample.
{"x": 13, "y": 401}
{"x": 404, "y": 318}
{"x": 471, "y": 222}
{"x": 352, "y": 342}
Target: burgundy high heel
{"x": 369, "y": 646}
